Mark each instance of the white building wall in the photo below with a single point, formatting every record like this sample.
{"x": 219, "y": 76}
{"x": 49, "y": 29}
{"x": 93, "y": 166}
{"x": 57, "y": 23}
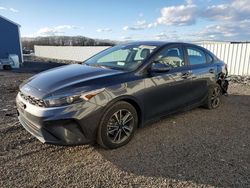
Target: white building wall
{"x": 75, "y": 53}
{"x": 237, "y": 56}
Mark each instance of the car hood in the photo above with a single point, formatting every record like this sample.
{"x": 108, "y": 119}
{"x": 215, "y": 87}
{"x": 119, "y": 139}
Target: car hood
{"x": 67, "y": 76}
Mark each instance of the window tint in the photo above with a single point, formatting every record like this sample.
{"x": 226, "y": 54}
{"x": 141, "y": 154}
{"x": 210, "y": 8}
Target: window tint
{"x": 172, "y": 57}
{"x": 119, "y": 55}
{"x": 209, "y": 58}
{"x": 196, "y": 56}
{"x": 141, "y": 53}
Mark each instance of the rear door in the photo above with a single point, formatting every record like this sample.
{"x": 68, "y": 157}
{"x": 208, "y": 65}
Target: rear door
{"x": 203, "y": 72}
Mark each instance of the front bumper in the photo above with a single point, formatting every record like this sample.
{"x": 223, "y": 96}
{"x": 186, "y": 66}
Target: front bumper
{"x": 69, "y": 125}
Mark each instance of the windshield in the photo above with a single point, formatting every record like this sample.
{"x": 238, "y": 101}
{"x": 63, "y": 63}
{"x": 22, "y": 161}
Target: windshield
{"x": 122, "y": 57}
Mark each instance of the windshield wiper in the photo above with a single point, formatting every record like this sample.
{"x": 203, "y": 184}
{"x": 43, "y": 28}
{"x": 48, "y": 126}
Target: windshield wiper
{"x": 95, "y": 65}
{"x": 104, "y": 67}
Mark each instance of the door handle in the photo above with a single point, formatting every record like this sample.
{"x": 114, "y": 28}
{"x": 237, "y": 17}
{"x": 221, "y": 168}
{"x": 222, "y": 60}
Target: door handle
{"x": 211, "y": 71}
{"x": 186, "y": 74}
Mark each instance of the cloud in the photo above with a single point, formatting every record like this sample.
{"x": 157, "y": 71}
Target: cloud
{"x": 46, "y": 31}
{"x": 235, "y": 11}
{"x": 137, "y": 37}
{"x": 161, "y": 36}
{"x": 9, "y": 9}
{"x": 61, "y": 27}
{"x": 14, "y": 10}
{"x": 234, "y": 32}
{"x": 126, "y": 38}
{"x": 218, "y": 12}
{"x": 168, "y": 35}
{"x": 188, "y": 14}
{"x": 237, "y": 31}
{"x": 139, "y": 25}
{"x": 232, "y": 21}
{"x": 100, "y": 30}
{"x": 172, "y": 15}
{"x": 178, "y": 15}
{"x": 53, "y": 31}
{"x": 227, "y": 21}
{"x": 189, "y": 2}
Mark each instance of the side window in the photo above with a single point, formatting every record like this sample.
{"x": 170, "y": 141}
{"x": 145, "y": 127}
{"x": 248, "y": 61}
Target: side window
{"x": 209, "y": 59}
{"x": 142, "y": 53}
{"x": 172, "y": 57}
{"x": 196, "y": 56}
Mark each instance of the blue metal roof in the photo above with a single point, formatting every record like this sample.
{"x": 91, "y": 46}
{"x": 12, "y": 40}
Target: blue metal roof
{"x": 8, "y": 20}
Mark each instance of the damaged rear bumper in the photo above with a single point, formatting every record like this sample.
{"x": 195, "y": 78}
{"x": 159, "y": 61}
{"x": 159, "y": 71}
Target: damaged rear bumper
{"x": 223, "y": 82}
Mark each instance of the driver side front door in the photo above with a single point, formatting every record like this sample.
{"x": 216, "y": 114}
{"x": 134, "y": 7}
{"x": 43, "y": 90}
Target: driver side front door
{"x": 168, "y": 91}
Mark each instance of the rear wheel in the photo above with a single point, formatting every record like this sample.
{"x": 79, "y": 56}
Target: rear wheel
{"x": 117, "y": 126}
{"x": 214, "y": 97}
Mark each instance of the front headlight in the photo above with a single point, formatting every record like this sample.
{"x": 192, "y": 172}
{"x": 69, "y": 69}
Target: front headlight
{"x": 66, "y": 100}
{"x": 52, "y": 102}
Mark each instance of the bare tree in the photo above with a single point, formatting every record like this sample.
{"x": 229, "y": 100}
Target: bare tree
{"x": 28, "y": 43}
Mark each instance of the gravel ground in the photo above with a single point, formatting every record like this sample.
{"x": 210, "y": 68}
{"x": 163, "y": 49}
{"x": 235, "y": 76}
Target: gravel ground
{"x": 199, "y": 148}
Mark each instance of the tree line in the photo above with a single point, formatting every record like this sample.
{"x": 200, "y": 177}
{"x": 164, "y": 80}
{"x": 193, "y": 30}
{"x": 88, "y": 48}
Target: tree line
{"x": 29, "y": 43}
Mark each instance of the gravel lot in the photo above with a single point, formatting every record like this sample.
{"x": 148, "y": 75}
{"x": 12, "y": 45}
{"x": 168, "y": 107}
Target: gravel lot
{"x": 199, "y": 148}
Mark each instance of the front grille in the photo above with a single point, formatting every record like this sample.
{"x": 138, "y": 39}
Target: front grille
{"x": 33, "y": 100}
{"x": 32, "y": 126}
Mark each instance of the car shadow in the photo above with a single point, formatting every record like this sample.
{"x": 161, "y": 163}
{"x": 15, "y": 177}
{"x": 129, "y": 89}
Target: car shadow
{"x": 208, "y": 147}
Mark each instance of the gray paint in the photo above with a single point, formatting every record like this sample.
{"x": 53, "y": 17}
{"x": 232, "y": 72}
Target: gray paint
{"x": 9, "y": 39}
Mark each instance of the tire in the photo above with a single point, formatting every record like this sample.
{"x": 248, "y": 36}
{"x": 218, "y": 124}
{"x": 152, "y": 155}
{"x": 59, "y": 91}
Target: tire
{"x": 117, "y": 125}
{"x": 213, "y": 100}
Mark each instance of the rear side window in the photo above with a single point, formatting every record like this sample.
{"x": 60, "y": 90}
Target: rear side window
{"x": 209, "y": 58}
{"x": 196, "y": 56}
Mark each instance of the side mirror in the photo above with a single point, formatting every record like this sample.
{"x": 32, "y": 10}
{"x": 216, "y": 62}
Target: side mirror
{"x": 159, "y": 67}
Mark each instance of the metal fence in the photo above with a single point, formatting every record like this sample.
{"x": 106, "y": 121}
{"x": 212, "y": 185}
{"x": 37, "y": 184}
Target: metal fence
{"x": 237, "y": 56}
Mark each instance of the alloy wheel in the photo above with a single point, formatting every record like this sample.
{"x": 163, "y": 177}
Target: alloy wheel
{"x": 120, "y": 126}
{"x": 215, "y": 98}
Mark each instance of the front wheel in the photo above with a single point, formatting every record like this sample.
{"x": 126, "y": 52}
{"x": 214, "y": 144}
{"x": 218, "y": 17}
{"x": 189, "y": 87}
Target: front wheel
{"x": 117, "y": 126}
{"x": 7, "y": 67}
{"x": 214, "y": 97}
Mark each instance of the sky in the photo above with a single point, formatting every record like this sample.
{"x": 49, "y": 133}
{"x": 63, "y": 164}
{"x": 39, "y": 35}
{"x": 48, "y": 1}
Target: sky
{"x": 177, "y": 20}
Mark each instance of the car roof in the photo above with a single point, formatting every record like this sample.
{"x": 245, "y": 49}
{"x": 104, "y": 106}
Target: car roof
{"x": 155, "y": 43}
{"x": 165, "y": 43}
